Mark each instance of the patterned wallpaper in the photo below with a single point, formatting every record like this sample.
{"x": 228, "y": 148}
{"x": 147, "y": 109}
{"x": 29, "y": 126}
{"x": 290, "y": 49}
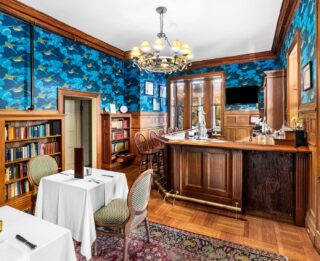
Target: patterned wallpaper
{"x": 304, "y": 19}
{"x": 135, "y": 89}
{"x": 59, "y": 63}
{"x": 239, "y": 75}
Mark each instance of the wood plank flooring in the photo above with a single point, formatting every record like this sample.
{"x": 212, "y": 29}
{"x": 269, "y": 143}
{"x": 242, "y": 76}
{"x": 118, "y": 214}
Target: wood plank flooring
{"x": 283, "y": 238}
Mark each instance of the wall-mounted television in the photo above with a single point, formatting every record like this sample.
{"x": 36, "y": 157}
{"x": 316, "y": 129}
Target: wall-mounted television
{"x": 242, "y": 95}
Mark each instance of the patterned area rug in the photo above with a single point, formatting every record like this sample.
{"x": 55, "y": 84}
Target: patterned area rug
{"x": 174, "y": 244}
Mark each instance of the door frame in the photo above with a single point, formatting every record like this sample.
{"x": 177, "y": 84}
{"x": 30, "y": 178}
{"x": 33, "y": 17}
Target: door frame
{"x": 296, "y": 41}
{"x": 96, "y": 118}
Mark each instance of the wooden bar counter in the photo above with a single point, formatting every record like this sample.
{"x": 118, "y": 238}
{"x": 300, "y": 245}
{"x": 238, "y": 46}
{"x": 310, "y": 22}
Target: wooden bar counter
{"x": 257, "y": 177}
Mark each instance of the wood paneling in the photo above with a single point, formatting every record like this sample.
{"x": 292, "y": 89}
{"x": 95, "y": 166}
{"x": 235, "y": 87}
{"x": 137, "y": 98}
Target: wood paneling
{"x": 274, "y": 91}
{"x": 237, "y": 124}
{"x": 40, "y": 19}
{"x": 144, "y": 122}
{"x": 287, "y": 12}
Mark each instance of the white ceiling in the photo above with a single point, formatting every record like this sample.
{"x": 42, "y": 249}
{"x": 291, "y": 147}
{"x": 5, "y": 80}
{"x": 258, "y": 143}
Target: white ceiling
{"x": 213, "y": 28}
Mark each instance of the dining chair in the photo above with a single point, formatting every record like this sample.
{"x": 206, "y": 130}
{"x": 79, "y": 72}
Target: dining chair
{"x": 161, "y": 132}
{"x": 124, "y": 215}
{"x": 39, "y": 167}
{"x": 147, "y": 153}
{"x": 170, "y": 130}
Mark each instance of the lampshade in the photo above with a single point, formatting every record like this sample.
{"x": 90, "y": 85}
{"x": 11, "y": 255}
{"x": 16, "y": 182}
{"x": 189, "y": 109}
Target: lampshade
{"x": 185, "y": 48}
{"x": 145, "y": 47}
{"x": 135, "y": 52}
{"x": 158, "y": 44}
{"x": 176, "y": 46}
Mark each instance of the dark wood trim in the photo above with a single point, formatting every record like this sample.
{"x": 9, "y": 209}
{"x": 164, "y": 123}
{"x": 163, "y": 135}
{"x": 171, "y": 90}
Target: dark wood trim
{"x": 22, "y": 113}
{"x": 287, "y": 12}
{"x": 35, "y": 17}
{"x": 196, "y": 76}
{"x": 243, "y": 58}
{"x": 296, "y": 41}
{"x": 62, "y": 93}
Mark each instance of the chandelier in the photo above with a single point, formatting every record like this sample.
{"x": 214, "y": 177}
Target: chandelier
{"x": 152, "y": 60}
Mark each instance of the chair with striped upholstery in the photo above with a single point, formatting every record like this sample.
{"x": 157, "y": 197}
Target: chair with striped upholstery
{"x": 123, "y": 215}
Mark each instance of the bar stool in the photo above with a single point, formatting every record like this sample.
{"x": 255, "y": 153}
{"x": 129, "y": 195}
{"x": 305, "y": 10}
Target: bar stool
{"x": 161, "y": 132}
{"x": 148, "y": 154}
{"x": 170, "y": 130}
{"x": 156, "y": 144}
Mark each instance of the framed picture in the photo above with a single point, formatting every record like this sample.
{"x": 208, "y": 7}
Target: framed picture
{"x": 156, "y": 105}
{"x": 163, "y": 91}
{"x": 148, "y": 88}
{"x": 113, "y": 108}
{"x": 307, "y": 78}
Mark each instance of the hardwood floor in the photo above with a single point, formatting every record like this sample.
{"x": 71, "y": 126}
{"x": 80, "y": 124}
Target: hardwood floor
{"x": 283, "y": 238}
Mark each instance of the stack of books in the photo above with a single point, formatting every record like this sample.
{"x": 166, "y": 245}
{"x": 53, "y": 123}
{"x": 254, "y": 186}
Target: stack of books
{"x": 16, "y": 189}
{"x": 119, "y": 124}
{"x": 16, "y": 171}
{"x": 120, "y": 146}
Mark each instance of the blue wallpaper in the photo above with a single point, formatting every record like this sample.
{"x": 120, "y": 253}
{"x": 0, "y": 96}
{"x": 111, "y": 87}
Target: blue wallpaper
{"x": 135, "y": 89}
{"x": 59, "y": 63}
{"x": 304, "y": 19}
{"x": 14, "y": 63}
{"x": 239, "y": 75}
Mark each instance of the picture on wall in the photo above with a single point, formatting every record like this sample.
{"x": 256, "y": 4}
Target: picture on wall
{"x": 163, "y": 91}
{"x": 307, "y": 77}
{"x": 156, "y": 105}
{"x": 148, "y": 88}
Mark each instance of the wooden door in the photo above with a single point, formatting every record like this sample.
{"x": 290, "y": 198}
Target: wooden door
{"x": 217, "y": 172}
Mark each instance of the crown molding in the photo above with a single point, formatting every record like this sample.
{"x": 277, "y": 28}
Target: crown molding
{"x": 243, "y": 58}
{"x": 35, "y": 17}
{"x": 287, "y": 12}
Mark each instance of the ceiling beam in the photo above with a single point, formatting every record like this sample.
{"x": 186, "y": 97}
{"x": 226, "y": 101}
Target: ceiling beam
{"x": 33, "y": 16}
{"x": 287, "y": 12}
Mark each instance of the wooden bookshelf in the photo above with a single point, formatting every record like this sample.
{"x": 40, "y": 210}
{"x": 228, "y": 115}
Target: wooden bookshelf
{"x": 116, "y": 139}
{"x": 30, "y": 135}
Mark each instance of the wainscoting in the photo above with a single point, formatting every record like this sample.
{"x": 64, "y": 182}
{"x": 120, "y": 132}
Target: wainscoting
{"x": 144, "y": 122}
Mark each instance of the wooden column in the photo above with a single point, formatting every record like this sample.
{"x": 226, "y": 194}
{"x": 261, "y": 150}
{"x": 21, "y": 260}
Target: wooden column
{"x": 301, "y": 172}
{"x": 237, "y": 170}
{"x": 187, "y": 105}
{"x": 2, "y": 161}
{"x": 207, "y": 101}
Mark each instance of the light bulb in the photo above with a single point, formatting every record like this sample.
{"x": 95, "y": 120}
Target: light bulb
{"x": 145, "y": 47}
{"x": 185, "y": 48}
{"x": 135, "y": 52}
{"x": 176, "y": 46}
{"x": 158, "y": 44}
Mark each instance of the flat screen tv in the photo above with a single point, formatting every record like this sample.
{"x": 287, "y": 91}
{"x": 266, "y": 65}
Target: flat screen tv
{"x": 242, "y": 95}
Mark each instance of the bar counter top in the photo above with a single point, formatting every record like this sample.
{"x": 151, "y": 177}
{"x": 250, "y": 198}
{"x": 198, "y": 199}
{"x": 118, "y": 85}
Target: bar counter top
{"x": 255, "y": 144}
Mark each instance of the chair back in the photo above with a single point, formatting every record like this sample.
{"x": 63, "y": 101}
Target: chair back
{"x": 141, "y": 142}
{"x": 155, "y": 143}
{"x": 161, "y": 132}
{"x": 170, "y": 130}
{"x": 39, "y": 167}
{"x": 139, "y": 193}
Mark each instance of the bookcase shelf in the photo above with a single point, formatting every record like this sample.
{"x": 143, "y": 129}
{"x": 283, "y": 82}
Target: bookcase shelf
{"x": 22, "y": 137}
{"x": 116, "y": 139}
{"x": 27, "y": 159}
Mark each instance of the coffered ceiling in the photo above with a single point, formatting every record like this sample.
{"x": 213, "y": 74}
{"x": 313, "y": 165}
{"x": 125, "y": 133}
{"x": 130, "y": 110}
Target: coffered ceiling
{"x": 213, "y": 28}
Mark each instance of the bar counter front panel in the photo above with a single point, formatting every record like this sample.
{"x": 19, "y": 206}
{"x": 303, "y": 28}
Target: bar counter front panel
{"x": 261, "y": 178}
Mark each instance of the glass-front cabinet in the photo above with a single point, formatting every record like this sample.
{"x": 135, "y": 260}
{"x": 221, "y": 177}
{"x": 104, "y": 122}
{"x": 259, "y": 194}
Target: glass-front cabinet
{"x": 193, "y": 93}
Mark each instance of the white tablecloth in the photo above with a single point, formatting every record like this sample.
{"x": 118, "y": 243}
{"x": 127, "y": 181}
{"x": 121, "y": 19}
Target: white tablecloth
{"x": 53, "y": 242}
{"x": 71, "y": 202}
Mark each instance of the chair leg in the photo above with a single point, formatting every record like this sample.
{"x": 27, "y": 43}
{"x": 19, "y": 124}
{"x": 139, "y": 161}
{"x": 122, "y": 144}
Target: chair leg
{"x": 95, "y": 248}
{"x": 147, "y": 228}
{"x": 125, "y": 249}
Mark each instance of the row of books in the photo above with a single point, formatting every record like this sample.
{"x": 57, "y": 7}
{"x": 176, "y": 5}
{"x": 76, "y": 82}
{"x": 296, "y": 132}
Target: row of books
{"x": 120, "y": 146}
{"x": 119, "y": 124}
{"x": 120, "y": 135}
{"x": 24, "y": 132}
{"x": 16, "y": 189}
{"x": 32, "y": 150}
{"x": 16, "y": 171}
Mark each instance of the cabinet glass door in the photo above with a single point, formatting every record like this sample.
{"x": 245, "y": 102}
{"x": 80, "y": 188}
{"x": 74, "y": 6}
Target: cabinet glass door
{"x": 217, "y": 104}
{"x": 197, "y": 88}
{"x": 180, "y": 86}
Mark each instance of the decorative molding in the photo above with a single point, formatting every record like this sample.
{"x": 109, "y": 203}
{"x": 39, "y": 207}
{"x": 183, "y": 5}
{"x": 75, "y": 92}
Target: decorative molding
{"x": 243, "y": 58}
{"x": 287, "y": 12}
{"x": 35, "y": 17}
